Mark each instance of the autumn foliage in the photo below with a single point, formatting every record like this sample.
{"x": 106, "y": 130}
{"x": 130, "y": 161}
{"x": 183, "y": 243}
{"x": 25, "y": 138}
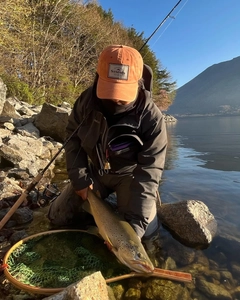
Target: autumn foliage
{"x": 49, "y": 49}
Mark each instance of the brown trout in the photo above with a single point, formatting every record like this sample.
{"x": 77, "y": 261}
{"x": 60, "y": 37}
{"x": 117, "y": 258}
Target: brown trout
{"x": 119, "y": 236}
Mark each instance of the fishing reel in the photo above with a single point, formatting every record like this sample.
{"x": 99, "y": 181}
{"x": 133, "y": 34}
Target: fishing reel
{"x": 50, "y": 193}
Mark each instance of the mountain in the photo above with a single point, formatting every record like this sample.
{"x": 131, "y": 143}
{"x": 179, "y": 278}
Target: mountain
{"x": 214, "y": 91}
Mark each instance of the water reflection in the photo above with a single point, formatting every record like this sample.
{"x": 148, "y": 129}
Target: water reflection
{"x": 218, "y": 138}
{"x": 189, "y": 174}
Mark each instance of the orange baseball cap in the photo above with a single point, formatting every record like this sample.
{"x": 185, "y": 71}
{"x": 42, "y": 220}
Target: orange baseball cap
{"x": 119, "y": 68}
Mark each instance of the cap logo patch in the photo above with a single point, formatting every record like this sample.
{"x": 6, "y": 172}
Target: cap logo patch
{"x": 117, "y": 71}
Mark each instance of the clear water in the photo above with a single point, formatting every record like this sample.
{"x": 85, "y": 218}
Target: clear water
{"x": 203, "y": 163}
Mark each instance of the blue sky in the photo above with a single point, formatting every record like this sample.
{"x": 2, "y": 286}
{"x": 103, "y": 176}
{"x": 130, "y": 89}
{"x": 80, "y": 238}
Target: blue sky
{"x": 203, "y": 32}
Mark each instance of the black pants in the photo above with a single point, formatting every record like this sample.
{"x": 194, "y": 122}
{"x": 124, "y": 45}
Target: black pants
{"x": 68, "y": 205}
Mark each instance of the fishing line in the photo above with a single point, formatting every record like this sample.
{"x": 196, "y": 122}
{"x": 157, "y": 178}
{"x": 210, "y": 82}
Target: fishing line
{"x": 147, "y": 40}
{"x": 169, "y": 23}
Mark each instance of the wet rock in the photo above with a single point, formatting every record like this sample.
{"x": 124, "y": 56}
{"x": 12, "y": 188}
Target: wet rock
{"x": 197, "y": 295}
{"x": 118, "y": 291}
{"x": 179, "y": 253}
{"x": 132, "y": 294}
{"x": 213, "y": 291}
{"x": 221, "y": 258}
{"x": 17, "y": 236}
{"x": 164, "y": 290}
{"x": 190, "y": 221}
{"x": 135, "y": 283}
{"x": 213, "y": 264}
{"x": 10, "y": 223}
{"x": 212, "y": 275}
{"x": 229, "y": 245}
{"x": 200, "y": 258}
{"x": 22, "y": 215}
{"x": 236, "y": 293}
{"x": 169, "y": 264}
{"x": 197, "y": 269}
{"x": 235, "y": 268}
{"x": 227, "y": 279}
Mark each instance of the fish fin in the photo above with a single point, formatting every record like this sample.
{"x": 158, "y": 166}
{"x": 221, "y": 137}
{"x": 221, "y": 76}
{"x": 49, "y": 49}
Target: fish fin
{"x": 87, "y": 207}
{"x": 109, "y": 245}
{"x": 94, "y": 230}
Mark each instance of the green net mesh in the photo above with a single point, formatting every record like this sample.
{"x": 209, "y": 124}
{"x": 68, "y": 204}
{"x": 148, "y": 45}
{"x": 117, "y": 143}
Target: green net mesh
{"x": 59, "y": 259}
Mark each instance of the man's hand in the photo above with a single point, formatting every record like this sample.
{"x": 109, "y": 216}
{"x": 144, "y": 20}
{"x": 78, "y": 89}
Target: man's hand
{"x": 84, "y": 192}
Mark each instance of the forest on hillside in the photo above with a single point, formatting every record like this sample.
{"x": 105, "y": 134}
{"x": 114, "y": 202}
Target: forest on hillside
{"x": 49, "y": 49}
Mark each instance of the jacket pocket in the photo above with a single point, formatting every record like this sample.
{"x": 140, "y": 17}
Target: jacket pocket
{"x": 123, "y": 151}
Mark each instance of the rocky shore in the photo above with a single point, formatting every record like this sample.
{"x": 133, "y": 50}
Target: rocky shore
{"x": 30, "y": 136}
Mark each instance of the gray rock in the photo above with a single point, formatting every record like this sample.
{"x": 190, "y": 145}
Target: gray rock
{"x": 17, "y": 236}
{"x": 9, "y": 110}
{"x": 92, "y": 287}
{"x": 52, "y": 121}
{"x": 190, "y": 221}
{"x": 27, "y": 153}
{"x": 22, "y": 215}
{"x": 4, "y": 119}
{"x": 12, "y": 156}
{"x": 24, "y": 110}
{"x": 29, "y": 130}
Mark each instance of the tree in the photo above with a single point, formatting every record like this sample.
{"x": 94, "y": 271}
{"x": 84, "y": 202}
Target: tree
{"x": 49, "y": 48}
{"x": 163, "y": 88}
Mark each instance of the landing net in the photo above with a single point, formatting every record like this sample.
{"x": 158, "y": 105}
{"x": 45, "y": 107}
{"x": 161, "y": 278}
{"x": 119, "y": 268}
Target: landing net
{"x": 59, "y": 258}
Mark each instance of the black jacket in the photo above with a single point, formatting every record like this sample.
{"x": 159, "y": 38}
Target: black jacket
{"x": 136, "y": 143}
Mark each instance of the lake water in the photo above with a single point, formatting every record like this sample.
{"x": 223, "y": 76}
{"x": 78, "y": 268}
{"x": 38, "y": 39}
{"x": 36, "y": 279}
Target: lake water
{"x": 203, "y": 163}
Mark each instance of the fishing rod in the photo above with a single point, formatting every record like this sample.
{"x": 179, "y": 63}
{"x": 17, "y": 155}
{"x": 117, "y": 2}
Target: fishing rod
{"x": 168, "y": 15}
{"x": 36, "y": 179}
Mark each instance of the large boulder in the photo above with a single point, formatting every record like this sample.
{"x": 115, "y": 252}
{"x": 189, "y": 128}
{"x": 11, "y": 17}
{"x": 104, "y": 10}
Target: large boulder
{"x": 52, "y": 121}
{"x": 190, "y": 221}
